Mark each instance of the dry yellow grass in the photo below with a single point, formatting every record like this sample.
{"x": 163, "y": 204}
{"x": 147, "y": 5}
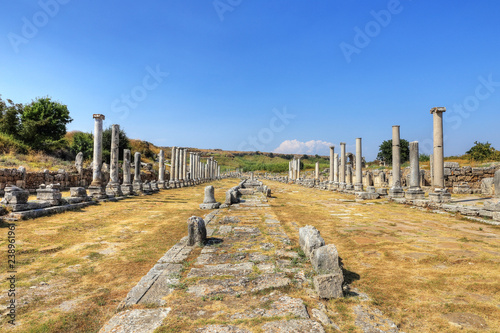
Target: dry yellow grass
{"x": 415, "y": 265}
{"x": 90, "y": 259}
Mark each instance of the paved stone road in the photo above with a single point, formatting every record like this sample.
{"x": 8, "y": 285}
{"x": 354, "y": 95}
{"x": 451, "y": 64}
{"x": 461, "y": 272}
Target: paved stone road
{"x": 247, "y": 277}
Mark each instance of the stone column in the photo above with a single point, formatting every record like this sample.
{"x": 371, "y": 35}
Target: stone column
{"x": 359, "y": 167}
{"x": 336, "y": 169}
{"x": 113, "y": 188}
{"x": 184, "y": 164}
{"x": 126, "y": 187}
{"x": 414, "y": 192}
{"x": 161, "y": 170}
{"x": 172, "y": 168}
{"x": 138, "y": 186}
{"x": 396, "y": 190}
{"x": 342, "y": 166}
{"x": 332, "y": 154}
{"x": 316, "y": 171}
{"x": 96, "y": 189}
{"x": 190, "y": 166}
{"x": 298, "y": 168}
{"x": 177, "y": 166}
{"x": 440, "y": 192}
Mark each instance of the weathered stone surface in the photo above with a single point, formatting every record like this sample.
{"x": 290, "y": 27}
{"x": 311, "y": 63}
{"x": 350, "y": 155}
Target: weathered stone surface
{"x": 287, "y": 305}
{"x": 132, "y": 321}
{"x": 79, "y": 162}
{"x": 221, "y": 329}
{"x": 496, "y": 181}
{"x": 323, "y": 318}
{"x": 487, "y": 186}
{"x": 310, "y": 239}
{"x": 242, "y": 269}
{"x": 267, "y": 281}
{"x": 209, "y": 195}
{"x": 451, "y": 165}
{"x": 15, "y": 196}
{"x": 329, "y": 285}
{"x": 325, "y": 260}
{"x": 466, "y": 320}
{"x": 78, "y": 192}
{"x": 293, "y": 326}
{"x": 197, "y": 232}
{"x": 372, "y": 320}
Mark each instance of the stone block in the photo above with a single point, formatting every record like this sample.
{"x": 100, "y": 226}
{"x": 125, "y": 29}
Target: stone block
{"x": 496, "y": 216}
{"x": 496, "y": 181}
{"x": 451, "y": 165}
{"x": 325, "y": 259}
{"x": 329, "y": 285}
{"x": 15, "y": 196}
{"x": 197, "y": 232}
{"x": 415, "y": 194}
{"x": 487, "y": 186}
{"x": 310, "y": 239}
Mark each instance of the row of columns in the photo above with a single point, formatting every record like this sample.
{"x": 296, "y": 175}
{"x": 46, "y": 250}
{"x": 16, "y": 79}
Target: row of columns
{"x": 294, "y": 169}
{"x": 343, "y": 178}
{"x": 180, "y": 174}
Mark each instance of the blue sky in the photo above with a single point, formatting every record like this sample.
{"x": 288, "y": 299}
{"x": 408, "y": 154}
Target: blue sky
{"x": 291, "y": 76}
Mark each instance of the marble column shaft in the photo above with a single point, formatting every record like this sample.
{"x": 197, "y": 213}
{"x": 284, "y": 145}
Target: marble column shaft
{"x": 359, "y": 165}
{"x": 126, "y": 167}
{"x": 437, "y": 115}
{"x": 342, "y": 163}
{"x": 115, "y": 137}
{"x": 414, "y": 166}
{"x": 396, "y": 157}
{"x": 97, "y": 162}
{"x": 332, "y": 154}
{"x": 335, "y": 168}
{"x": 161, "y": 167}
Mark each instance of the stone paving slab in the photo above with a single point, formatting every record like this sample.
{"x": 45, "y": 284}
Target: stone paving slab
{"x": 240, "y": 280}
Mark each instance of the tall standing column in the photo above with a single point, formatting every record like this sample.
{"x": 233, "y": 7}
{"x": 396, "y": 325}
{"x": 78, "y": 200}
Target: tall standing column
{"x": 184, "y": 164}
{"x": 396, "y": 190}
{"x": 161, "y": 170}
{"x": 440, "y": 192}
{"x": 316, "y": 171}
{"x": 177, "y": 165}
{"x": 298, "y": 168}
{"x": 172, "y": 168}
{"x": 113, "y": 187}
{"x": 332, "y": 154}
{"x": 359, "y": 170}
{"x": 126, "y": 187}
{"x": 95, "y": 189}
{"x": 336, "y": 169}
{"x": 190, "y": 166}
{"x": 138, "y": 186}
{"x": 414, "y": 192}
{"x": 342, "y": 166}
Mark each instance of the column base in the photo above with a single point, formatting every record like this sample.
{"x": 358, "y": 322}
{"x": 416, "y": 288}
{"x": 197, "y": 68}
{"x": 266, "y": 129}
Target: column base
{"x": 171, "y": 184}
{"x": 415, "y": 194}
{"x": 358, "y": 187}
{"x": 127, "y": 189}
{"x": 97, "y": 192}
{"x": 349, "y": 187}
{"x": 396, "y": 192}
{"x": 114, "y": 190}
{"x": 162, "y": 185}
{"x": 440, "y": 196}
{"x": 138, "y": 188}
{"x": 210, "y": 205}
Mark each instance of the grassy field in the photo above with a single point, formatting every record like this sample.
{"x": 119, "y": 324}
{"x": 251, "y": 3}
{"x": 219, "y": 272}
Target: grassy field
{"x": 417, "y": 267}
{"x": 73, "y": 269}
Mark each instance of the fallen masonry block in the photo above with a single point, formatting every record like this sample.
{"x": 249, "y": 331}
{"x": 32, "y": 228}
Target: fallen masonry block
{"x": 197, "y": 231}
{"x": 310, "y": 239}
{"x": 325, "y": 260}
{"x": 209, "y": 201}
{"x": 329, "y": 285}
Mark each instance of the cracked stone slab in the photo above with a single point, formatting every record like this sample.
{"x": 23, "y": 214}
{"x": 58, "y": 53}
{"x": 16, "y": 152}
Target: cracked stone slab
{"x": 165, "y": 271}
{"x": 253, "y": 231}
{"x": 293, "y": 326}
{"x": 220, "y": 258}
{"x": 222, "y": 269}
{"x": 221, "y": 329}
{"x": 267, "y": 281}
{"x": 216, "y": 287}
{"x": 177, "y": 254}
{"x": 132, "y": 321}
{"x": 372, "y": 320}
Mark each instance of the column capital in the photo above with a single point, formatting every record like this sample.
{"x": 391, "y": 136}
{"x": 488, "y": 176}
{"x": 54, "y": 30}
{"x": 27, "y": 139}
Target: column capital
{"x": 98, "y": 116}
{"x": 438, "y": 109}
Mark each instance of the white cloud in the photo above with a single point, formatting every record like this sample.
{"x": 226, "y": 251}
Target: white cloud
{"x": 310, "y": 147}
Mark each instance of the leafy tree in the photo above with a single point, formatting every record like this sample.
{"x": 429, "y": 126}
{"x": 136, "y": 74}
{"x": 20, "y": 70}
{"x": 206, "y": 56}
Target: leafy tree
{"x": 9, "y": 117}
{"x": 424, "y": 158}
{"x": 305, "y": 157}
{"x": 481, "y": 151}
{"x": 385, "y": 151}
{"x": 271, "y": 155}
{"x": 123, "y": 143}
{"x": 43, "y": 124}
{"x": 83, "y": 142}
